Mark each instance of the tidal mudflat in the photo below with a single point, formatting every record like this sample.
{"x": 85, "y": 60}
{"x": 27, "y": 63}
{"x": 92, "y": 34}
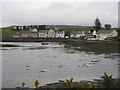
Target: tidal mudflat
{"x": 53, "y": 62}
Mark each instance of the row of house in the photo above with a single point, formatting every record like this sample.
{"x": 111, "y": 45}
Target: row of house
{"x": 102, "y": 34}
{"x": 34, "y": 33}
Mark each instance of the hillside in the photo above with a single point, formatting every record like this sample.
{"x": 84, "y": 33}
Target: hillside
{"x": 7, "y": 32}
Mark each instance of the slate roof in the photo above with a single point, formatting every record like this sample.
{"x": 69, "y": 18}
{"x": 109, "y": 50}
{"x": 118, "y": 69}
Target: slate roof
{"x": 31, "y": 29}
{"x": 75, "y": 32}
{"x": 59, "y": 32}
{"x": 27, "y": 32}
{"x": 105, "y": 31}
{"x": 87, "y": 32}
{"x": 43, "y": 31}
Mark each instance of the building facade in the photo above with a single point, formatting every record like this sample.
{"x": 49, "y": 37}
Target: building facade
{"x": 60, "y": 34}
{"x": 46, "y": 33}
{"x": 106, "y": 33}
{"x": 77, "y": 34}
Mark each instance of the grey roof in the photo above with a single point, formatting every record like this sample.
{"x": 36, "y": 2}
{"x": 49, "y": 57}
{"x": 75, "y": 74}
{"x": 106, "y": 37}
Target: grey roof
{"x": 105, "y": 31}
{"x": 32, "y": 29}
{"x": 75, "y": 32}
{"x": 19, "y": 33}
{"x": 60, "y": 32}
{"x": 87, "y": 32}
{"x": 43, "y": 31}
{"x": 27, "y": 32}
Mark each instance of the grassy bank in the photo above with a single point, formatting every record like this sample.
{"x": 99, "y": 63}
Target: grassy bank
{"x": 85, "y": 84}
{"x": 6, "y": 33}
{"x": 106, "y": 81}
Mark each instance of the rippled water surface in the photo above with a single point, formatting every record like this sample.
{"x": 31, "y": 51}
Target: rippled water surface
{"x": 50, "y": 63}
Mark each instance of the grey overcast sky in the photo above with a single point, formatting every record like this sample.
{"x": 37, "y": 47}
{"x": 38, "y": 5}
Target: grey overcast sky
{"x": 27, "y": 12}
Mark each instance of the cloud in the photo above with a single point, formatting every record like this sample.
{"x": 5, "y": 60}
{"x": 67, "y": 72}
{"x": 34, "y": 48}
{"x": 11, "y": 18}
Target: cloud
{"x": 77, "y": 13}
{"x": 59, "y": 0}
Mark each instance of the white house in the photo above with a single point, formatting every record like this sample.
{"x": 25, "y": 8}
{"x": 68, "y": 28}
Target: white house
{"x": 46, "y": 33}
{"x": 17, "y": 35}
{"x": 60, "y": 34}
{"x": 76, "y": 34}
{"x": 14, "y": 27}
{"x": 33, "y": 30}
{"x": 106, "y": 33}
{"x": 94, "y": 33}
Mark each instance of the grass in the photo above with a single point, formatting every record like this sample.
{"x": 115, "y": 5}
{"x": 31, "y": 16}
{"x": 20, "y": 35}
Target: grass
{"x": 106, "y": 82}
{"x": 7, "y": 32}
{"x": 76, "y": 29}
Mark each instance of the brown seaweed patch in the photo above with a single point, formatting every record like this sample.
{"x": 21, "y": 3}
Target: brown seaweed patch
{"x": 35, "y": 48}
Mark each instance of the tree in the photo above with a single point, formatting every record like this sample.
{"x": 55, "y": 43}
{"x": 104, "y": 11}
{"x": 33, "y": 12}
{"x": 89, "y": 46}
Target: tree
{"x": 67, "y": 33}
{"x": 42, "y": 27}
{"x": 24, "y": 27}
{"x": 17, "y": 28}
{"x": 97, "y": 24}
{"x": 91, "y": 30}
{"x": 107, "y": 26}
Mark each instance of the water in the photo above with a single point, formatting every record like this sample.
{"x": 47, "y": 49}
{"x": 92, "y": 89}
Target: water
{"x": 50, "y": 63}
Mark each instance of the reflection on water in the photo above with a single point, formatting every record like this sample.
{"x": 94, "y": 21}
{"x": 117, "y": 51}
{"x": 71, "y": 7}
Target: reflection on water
{"x": 50, "y": 63}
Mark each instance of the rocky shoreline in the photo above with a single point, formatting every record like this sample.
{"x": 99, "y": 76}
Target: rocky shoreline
{"x": 83, "y": 84}
{"x": 52, "y": 40}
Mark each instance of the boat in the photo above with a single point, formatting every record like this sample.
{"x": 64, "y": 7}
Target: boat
{"x": 44, "y": 43}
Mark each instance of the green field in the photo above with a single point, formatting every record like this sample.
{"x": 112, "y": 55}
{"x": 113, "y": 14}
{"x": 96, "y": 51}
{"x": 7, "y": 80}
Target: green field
{"x": 7, "y": 32}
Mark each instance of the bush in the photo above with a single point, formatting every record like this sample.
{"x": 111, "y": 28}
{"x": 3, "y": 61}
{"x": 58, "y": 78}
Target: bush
{"x": 109, "y": 82}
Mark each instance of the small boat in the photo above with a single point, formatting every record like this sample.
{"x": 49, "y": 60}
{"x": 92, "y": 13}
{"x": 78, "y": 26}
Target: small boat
{"x": 44, "y": 43}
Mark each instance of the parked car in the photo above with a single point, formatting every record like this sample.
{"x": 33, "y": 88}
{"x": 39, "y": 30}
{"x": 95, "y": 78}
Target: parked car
{"x": 66, "y": 36}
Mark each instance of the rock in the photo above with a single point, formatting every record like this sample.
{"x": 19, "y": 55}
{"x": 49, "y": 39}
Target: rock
{"x": 51, "y": 66}
{"x": 27, "y": 66}
{"x": 80, "y": 60}
{"x": 43, "y": 71}
{"x": 28, "y": 69}
{"x": 87, "y": 65}
{"x": 95, "y": 60}
{"x": 61, "y": 66}
{"x": 18, "y": 87}
{"x": 61, "y": 80}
